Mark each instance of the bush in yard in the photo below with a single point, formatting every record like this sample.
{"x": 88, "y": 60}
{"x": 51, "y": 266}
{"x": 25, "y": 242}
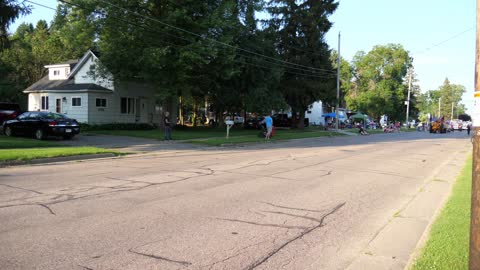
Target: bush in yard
{"x": 118, "y": 126}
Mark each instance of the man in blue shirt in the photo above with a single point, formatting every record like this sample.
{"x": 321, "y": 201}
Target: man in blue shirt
{"x": 269, "y": 123}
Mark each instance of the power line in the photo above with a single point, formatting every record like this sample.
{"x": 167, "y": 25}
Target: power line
{"x": 188, "y": 40}
{"x": 176, "y": 45}
{"x": 286, "y": 46}
{"x": 445, "y": 41}
{"x": 206, "y": 38}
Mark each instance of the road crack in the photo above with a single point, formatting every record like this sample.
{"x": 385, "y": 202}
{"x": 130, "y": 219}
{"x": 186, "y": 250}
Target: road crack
{"x": 264, "y": 224}
{"x": 24, "y": 189}
{"x": 185, "y": 263}
{"x": 306, "y": 232}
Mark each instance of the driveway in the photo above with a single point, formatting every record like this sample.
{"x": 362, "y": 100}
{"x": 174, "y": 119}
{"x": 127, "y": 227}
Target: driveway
{"x": 129, "y": 144}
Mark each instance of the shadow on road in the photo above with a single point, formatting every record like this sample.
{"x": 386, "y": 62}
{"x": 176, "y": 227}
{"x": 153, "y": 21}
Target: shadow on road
{"x": 133, "y": 144}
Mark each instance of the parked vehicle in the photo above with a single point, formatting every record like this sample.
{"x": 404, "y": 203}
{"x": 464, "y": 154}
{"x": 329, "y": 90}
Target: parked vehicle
{"x": 8, "y": 111}
{"x": 438, "y": 127}
{"x": 254, "y": 123}
{"x": 41, "y": 125}
{"x": 282, "y": 120}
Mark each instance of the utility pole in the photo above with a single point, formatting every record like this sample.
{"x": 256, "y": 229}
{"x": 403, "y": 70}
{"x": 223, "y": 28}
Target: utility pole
{"x": 439, "y": 102}
{"x": 451, "y": 115}
{"x": 408, "y": 96}
{"x": 474, "y": 263}
{"x": 338, "y": 84}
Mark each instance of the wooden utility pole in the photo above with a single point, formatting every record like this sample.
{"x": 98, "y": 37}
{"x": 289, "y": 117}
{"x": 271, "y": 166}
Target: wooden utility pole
{"x": 474, "y": 263}
{"x": 338, "y": 84}
{"x": 410, "y": 71}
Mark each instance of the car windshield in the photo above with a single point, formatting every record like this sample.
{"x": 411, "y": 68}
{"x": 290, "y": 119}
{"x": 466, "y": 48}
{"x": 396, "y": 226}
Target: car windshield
{"x": 54, "y": 116}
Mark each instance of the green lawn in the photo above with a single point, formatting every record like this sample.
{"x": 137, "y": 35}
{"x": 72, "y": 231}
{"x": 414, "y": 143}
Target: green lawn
{"x": 184, "y": 133}
{"x": 19, "y": 142}
{"x": 19, "y": 148}
{"x": 279, "y": 135}
{"x": 216, "y": 136}
{"x": 448, "y": 244}
{"x": 33, "y": 153}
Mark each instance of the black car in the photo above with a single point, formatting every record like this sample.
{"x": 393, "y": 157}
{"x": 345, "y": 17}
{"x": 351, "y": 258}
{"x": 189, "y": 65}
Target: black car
{"x": 41, "y": 125}
{"x": 253, "y": 123}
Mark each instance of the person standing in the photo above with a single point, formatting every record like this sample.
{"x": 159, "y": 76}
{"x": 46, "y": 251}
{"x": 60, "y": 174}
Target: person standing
{"x": 468, "y": 129}
{"x": 167, "y": 124}
{"x": 269, "y": 124}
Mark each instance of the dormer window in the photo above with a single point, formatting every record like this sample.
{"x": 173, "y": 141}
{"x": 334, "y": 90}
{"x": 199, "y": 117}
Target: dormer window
{"x": 58, "y": 71}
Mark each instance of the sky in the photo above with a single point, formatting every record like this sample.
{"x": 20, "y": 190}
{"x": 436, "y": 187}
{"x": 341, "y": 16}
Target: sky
{"x": 439, "y": 34}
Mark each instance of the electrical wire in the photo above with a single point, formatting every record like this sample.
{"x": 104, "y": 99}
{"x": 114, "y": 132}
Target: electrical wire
{"x": 202, "y": 37}
{"x": 238, "y": 61}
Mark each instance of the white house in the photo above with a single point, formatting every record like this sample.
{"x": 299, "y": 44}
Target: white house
{"x": 73, "y": 89}
{"x": 314, "y": 114}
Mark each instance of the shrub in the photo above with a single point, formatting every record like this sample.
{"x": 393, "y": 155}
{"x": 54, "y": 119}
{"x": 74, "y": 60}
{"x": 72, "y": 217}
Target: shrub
{"x": 118, "y": 126}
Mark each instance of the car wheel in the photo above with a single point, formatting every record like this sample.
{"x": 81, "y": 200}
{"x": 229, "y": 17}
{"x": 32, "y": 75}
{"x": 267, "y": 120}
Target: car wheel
{"x": 39, "y": 134}
{"x": 8, "y": 131}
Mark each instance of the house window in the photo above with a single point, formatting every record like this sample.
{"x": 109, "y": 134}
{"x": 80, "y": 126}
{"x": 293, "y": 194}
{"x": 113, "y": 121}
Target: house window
{"x": 76, "y": 101}
{"x": 45, "y": 103}
{"x": 101, "y": 102}
{"x": 127, "y": 105}
{"x": 56, "y": 72}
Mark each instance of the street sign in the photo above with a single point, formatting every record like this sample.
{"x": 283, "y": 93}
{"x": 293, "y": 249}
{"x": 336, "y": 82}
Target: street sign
{"x": 476, "y": 108}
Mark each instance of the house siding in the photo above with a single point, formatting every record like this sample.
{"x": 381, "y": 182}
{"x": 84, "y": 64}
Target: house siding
{"x": 145, "y": 102}
{"x": 79, "y": 113}
{"x": 145, "y": 108}
{"x": 315, "y": 115}
{"x": 100, "y": 115}
{"x": 84, "y": 75}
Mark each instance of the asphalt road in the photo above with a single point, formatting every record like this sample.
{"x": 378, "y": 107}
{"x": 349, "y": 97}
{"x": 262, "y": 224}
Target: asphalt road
{"x": 303, "y": 204}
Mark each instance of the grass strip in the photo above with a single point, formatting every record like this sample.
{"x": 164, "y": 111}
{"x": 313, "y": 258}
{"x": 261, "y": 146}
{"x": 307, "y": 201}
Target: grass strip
{"x": 178, "y": 134}
{"x": 19, "y": 142}
{"x": 280, "y": 135}
{"x": 448, "y": 244}
{"x": 34, "y": 153}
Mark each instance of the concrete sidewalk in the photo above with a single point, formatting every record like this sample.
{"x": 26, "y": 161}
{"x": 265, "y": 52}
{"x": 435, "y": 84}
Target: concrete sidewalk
{"x": 398, "y": 242}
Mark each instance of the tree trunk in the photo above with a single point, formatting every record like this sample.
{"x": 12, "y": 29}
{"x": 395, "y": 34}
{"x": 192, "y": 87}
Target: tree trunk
{"x": 301, "y": 120}
{"x": 293, "y": 123}
{"x": 194, "y": 117}
{"x": 180, "y": 111}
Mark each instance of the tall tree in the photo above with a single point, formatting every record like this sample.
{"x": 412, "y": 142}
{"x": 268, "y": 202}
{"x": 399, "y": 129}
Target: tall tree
{"x": 381, "y": 81}
{"x": 439, "y": 102}
{"x": 10, "y": 10}
{"x": 76, "y": 27}
{"x": 451, "y": 95}
{"x": 301, "y": 28}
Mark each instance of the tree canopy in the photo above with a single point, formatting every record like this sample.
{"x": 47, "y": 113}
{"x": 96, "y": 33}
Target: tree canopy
{"x": 218, "y": 53}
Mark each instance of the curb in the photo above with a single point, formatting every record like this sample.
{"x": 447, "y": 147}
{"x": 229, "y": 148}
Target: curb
{"x": 54, "y": 159}
{"x": 380, "y": 252}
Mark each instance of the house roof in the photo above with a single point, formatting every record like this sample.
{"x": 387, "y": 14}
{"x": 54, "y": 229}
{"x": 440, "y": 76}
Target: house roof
{"x": 72, "y": 63}
{"x": 68, "y": 85}
{"x": 82, "y": 61}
